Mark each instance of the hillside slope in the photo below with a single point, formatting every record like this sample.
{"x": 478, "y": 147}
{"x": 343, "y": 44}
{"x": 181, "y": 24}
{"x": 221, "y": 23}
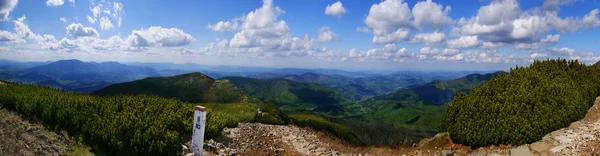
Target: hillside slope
{"x": 291, "y": 95}
{"x": 420, "y": 106}
{"x": 192, "y": 87}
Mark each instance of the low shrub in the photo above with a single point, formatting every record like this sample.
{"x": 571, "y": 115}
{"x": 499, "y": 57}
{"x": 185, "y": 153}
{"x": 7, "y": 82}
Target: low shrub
{"x": 523, "y": 106}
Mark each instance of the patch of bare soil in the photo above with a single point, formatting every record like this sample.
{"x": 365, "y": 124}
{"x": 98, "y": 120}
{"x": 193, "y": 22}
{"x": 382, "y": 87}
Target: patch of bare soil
{"x": 19, "y": 137}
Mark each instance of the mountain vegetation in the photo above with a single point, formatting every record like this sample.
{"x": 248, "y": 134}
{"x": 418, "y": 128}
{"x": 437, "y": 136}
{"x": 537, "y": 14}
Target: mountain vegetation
{"x": 523, "y": 106}
{"x": 362, "y": 88}
{"x": 420, "y": 106}
{"x": 191, "y": 87}
{"x": 292, "y": 95}
{"x": 127, "y": 125}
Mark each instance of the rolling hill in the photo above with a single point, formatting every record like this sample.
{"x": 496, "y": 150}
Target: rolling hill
{"x": 420, "y": 106}
{"x": 191, "y": 87}
{"x": 291, "y": 95}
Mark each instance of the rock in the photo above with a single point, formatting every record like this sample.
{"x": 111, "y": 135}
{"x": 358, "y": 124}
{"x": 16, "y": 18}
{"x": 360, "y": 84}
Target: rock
{"x": 479, "y": 153}
{"x": 540, "y": 146}
{"x": 447, "y": 152}
{"x": 520, "y": 151}
{"x": 185, "y": 148}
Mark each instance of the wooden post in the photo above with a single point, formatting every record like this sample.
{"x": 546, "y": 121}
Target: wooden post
{"x": 198, "y": 130}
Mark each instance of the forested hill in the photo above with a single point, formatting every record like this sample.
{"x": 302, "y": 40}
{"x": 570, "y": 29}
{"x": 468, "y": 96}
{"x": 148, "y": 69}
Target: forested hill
{"x": 420, "y": 106}
{"x": 191, "y": 87}
{"x": 291, "y": 95}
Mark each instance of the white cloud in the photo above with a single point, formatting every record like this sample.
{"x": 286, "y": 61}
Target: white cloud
{"x": 118, "y": 12}
{"x": 431, "y": 14}
{"x": 554, "y": 5}
{"x": 105, "y": 23}
{"x": 561, "y": 51}
{"x": 10, "y": 37}
{"x": 63, "y": 19}
{"x": 497, "y": 12}
{"x": 96, "y": 10}
{"x": 503, "y": 23}
{"x": 158, "y": 36}
{"x": 549, "y": 40}
{"x": 536, "y": 56}
{"x": 325, "y": 34}
{"x": 363, "y": 29}
{"x": 55, "y": 2}
{"x": 388, "y": 16}
{"x": 224, "y": 26}
{"x": 398, "y": 35}
{"x": 91, "y": 19}
{"x": 428, "y": 38}
{"x": 77, "y": 30}
{"x": 335, "y": 9}
{"x": 114, "y": 13}
{"x": 6, "y": 7}
{"x": 464, "y": 42}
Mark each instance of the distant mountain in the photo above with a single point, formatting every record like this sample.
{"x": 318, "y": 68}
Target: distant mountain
{"x": 363, "y": 87}
{"x": 291, "y": 95}
{"x": 77, "y": 70}
{"x": 420, "y": 106}
{"x": 73, "y": 75}
{"x": 191, "y": 87}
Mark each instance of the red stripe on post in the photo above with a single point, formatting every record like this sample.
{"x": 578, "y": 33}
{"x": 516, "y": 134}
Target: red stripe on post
{"x": 201, "y": 109}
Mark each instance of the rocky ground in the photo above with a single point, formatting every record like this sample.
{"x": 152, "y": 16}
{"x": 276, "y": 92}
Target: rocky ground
{"x": 20, "y": 137}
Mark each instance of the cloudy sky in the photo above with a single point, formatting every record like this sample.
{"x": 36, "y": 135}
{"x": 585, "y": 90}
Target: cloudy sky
{"x": 346, "y": 34}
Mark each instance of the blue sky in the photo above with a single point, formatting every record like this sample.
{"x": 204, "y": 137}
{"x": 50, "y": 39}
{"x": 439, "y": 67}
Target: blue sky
{"x": 344, "y": 34}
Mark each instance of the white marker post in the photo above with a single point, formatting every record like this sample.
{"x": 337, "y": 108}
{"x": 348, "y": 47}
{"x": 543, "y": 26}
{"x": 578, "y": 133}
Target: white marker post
{"x": 198, "y": 132}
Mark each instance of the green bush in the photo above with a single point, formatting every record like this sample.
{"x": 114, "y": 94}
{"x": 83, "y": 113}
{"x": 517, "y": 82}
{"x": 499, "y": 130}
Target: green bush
{"x": 273, "y": 115}
{"x": 523, "y": 106}
{"x": 121, "y": 125}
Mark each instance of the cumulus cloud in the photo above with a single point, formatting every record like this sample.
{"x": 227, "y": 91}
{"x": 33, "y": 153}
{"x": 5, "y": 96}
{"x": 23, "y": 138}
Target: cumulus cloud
{"x": 428, "y": 38}
{"x": 431, "y": 14}
{"x": 335, "y": 9}
{"x": 6, "y": 6}
{"x": 392, "y": 20}
{"x": 261, "y": 33}
{"x": 158, "y": 36}
{"x": 63, "y": 19}
{"x": 503, "y": 23}
{"x": 325, "y": 34}
{"x": 398, "y": 35}
{"x": 464, "y": 42}
{"x": 10, "y": 37}
{"x": 77, "y": 30}
{"x": 388, "y": 16}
